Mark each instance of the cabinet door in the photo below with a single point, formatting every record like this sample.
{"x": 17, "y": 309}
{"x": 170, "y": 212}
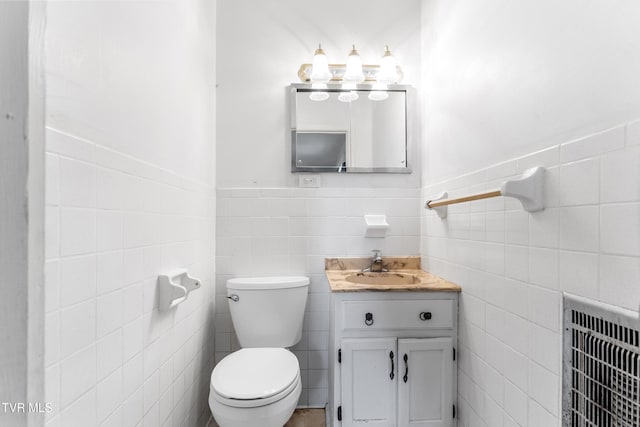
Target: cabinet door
{"x": 369, "y": 378}
{"x": 425, "y": 382}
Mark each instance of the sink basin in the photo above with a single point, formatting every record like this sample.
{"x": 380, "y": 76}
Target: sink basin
{"x": 385, "y": 279}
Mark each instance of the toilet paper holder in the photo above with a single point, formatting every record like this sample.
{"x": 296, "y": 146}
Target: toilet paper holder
{"x": 174, "y": 288}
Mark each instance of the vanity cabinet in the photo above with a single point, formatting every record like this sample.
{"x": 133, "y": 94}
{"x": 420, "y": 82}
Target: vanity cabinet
{"x": 425, "y": 382}
{"x": 393, "y": 359}
{"x": 369, "y": 394}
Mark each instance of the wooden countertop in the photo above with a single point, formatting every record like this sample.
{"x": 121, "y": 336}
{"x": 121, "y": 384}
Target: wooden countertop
{"x": 338, "y": 269}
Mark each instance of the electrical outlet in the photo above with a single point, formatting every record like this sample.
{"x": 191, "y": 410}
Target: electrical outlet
{"x": 309, "y": 181}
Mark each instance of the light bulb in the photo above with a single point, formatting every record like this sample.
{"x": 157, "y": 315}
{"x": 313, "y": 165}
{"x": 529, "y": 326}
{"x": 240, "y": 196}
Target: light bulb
{"x": 353, "y": 73}
{"x": 387, "y": 74}
{"x": 317, "y": 93}
{"x": 320, "y": 72}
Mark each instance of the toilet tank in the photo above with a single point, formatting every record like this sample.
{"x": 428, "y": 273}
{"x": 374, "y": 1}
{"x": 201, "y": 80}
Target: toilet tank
{"x": 268, "y": 311}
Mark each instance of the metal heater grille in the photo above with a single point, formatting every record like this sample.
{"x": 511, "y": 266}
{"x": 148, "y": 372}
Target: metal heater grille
{"x": 601, "y": 386}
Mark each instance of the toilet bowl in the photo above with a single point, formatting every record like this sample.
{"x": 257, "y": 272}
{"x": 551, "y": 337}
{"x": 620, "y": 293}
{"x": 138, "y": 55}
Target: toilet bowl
{"x": 259, "y": 385}
{"x": 255, "y": 387}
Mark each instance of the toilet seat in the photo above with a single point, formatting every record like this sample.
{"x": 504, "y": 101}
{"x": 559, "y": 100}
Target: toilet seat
{"x": 254, "y": 403}
{"x": 253, "y": 377}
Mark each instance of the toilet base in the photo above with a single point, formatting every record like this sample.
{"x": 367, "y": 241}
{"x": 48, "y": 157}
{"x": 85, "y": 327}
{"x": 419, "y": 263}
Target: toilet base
{"x": 275, "y": 414}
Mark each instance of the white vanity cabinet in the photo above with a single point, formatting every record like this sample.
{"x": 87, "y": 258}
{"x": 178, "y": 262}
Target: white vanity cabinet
{"x": 392, "y": 359}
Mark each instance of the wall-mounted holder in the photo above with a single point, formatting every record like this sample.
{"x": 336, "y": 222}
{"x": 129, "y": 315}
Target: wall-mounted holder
{"x": 440, "y": 210}
{"x": 174, "y": 287}
{"x": 377, "y": 225}
{"x": 528, "y": 189}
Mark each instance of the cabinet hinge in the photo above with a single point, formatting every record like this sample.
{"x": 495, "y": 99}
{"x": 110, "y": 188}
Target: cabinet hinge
{"x": 454, "y": 354}
{"x": 339, "y": 355}
{"x": 454, "y": 411}
{"x": 339, "y": 413}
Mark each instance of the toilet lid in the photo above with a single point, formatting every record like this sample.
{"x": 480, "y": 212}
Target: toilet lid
{"x": 254, "y": 373}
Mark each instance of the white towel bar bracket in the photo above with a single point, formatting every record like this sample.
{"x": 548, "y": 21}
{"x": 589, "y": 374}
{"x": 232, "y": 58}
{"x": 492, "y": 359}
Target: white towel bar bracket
{"x": 443, "y": 210}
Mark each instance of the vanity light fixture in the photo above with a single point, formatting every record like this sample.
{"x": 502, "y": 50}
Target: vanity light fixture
{"x": 320, "y": 75}
{"x": 321, "y": 71}
{"x": 388, "y": 73}
{"x": 353, "y": 75}
{"x": 353, "y": 72}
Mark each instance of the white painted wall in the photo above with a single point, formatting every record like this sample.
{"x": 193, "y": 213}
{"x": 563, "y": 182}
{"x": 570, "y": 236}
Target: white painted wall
{"x": 21, "y": 218}
{"x": 36, "y": 207}
{"x": 130, "y": 167}
{"x": 144, "y": 62}
{"x": 261, "y": 44}
{"x": 14, "y": 292}
{"x": 503, "y": 80}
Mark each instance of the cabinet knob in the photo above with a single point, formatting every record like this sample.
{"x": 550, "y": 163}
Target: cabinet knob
{"x": 425, "y": 315}
{"x": 368, "y": 319}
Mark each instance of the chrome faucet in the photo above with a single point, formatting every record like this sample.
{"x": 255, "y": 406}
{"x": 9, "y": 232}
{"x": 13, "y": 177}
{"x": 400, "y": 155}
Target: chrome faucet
{"x": 376, "y": 263}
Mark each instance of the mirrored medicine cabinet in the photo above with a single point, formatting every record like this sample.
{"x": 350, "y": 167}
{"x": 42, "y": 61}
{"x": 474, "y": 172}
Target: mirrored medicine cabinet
{"x": 349, "y": 131}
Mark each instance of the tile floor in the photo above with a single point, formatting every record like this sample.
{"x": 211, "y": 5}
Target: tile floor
{"x": 307, "y": 418}
{"x": 300, "y": 418}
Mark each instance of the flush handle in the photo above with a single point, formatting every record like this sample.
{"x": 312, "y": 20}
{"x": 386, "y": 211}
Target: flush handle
{"x": 368, "y": 319}
{"x": 234, "y": 297}
{"x": 425, "y": 315}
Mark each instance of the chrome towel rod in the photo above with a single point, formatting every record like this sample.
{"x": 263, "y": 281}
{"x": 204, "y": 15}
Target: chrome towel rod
{"x": 528, "y": 189}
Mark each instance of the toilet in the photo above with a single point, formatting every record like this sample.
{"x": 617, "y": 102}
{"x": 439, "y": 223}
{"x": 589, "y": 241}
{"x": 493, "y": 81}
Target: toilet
{"x": 259, "y": 385}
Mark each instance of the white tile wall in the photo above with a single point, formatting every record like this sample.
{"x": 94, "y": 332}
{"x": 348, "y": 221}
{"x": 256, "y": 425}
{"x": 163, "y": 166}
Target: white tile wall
{"x": 280, "y": 231}
{"x": 113, "y": 224}
{"x": 513, "y": 266}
